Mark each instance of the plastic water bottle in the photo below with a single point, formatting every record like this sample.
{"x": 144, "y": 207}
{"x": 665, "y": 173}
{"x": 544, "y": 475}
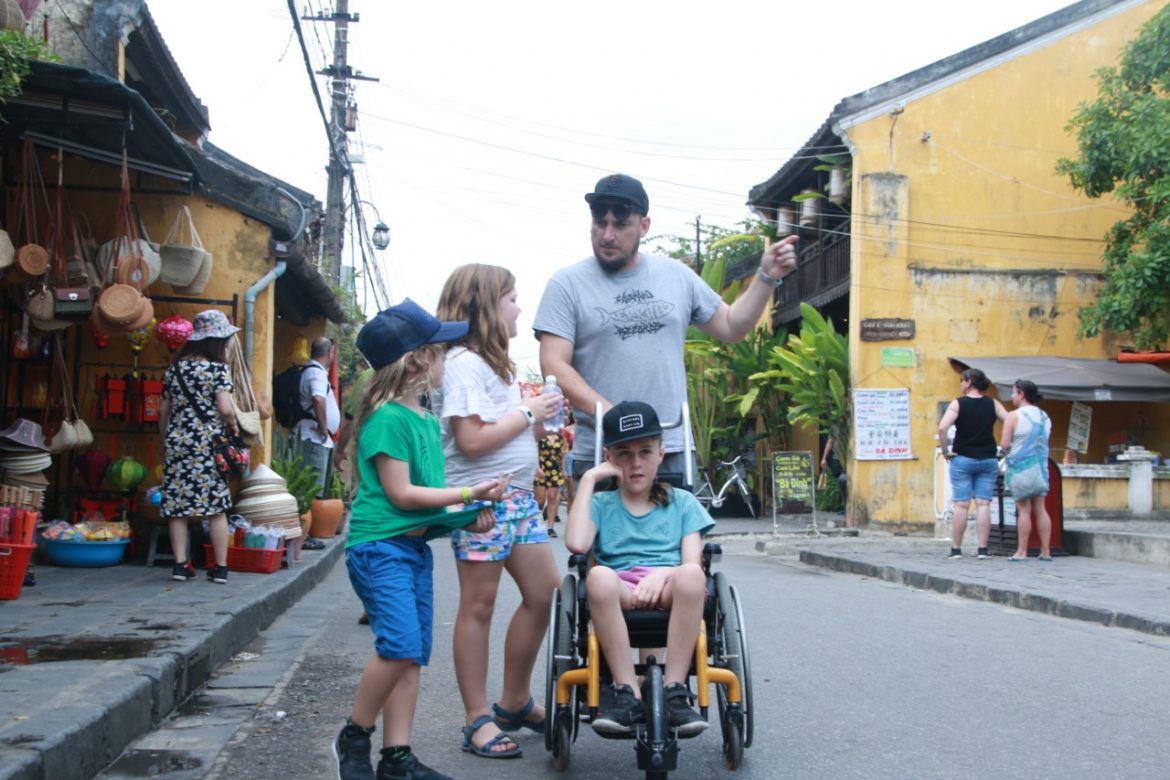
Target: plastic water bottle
{"x": 557, "y": 421}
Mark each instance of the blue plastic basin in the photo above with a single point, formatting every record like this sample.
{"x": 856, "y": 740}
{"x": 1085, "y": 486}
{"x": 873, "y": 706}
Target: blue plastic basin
{"x": 70, "y": 553}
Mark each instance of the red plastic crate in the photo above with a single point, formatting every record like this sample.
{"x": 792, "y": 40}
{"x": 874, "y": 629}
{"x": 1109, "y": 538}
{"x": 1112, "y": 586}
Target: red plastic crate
{"x": 14, "y": 560}
{"x": 249, "y": 559}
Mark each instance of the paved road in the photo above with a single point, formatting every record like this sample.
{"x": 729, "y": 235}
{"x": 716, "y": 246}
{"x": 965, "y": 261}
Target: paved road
{"x": 854, "y": 677}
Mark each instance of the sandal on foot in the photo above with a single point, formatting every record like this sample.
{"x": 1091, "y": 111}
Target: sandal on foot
{"x": 485, "y": 749}
{"x": 1015, "y": 559}
{"x": 1045, "y": 558}
{"x": 514, "y": 721}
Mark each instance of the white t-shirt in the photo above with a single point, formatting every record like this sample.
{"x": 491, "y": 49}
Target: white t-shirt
{"x": 315, "y": 381}
{"x": 472, "y": 389}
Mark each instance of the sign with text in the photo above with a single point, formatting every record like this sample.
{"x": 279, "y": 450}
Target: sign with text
{"x": 897, "y": 357}
{"x": 792, "y": 483}
{"x": 1079, "y": 421}
{"x": 886, "y": 329}
{"x": 881, "y": 424}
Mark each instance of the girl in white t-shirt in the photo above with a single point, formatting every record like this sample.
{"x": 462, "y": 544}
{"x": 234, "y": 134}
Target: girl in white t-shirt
{"x": 487, "y": 430}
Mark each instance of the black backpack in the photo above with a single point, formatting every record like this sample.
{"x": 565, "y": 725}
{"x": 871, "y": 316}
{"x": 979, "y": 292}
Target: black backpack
{"x": 286, "y": 397}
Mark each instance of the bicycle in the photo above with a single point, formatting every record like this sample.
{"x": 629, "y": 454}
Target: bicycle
{"x": 705, "y": 492}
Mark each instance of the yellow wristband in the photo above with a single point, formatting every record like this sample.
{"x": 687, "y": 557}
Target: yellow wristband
{"x": 465, "y": 493}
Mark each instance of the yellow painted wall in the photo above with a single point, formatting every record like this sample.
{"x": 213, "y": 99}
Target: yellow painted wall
{"x": 961, "y": 224}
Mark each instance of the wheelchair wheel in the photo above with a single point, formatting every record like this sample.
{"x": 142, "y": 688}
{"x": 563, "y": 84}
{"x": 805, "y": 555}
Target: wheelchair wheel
{"x": 738, "y": 722}
{"x": 561, "y": 656}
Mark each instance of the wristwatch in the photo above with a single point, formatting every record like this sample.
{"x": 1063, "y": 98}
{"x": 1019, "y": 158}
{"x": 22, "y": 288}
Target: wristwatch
{"x": 528, "y": 415}
{"x": 772, "y": 280}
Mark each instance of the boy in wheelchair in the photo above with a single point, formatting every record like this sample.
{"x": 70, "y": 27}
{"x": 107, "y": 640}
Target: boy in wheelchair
{"x": 645, "y": 538}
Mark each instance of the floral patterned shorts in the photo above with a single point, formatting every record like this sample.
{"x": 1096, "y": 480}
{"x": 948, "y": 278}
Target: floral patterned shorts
{"x": 518, "y": 521}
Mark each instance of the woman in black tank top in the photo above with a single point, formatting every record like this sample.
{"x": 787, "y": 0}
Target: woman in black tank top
{"x": 972, "y": 458}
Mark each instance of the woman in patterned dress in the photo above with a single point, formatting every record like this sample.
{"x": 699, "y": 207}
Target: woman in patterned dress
{"x": 197, "y": 405}
{"x": 550, "y": 476}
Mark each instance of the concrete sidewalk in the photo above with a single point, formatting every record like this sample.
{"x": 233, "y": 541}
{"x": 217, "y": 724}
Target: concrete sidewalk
{"x": 91, "y": 659}
{"x": 1128, "y": 589}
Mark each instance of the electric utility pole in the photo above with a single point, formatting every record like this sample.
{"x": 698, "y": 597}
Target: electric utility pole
{"x": 343, "y": 118}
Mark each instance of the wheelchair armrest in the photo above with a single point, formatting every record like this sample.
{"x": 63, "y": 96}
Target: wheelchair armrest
{"x": 580, "y": 562}
{"x": 712, "y": 551}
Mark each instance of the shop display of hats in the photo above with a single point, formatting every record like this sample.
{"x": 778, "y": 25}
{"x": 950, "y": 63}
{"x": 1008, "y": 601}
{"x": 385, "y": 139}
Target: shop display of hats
{"x": 24, "y": 433}
{"x": 23, "y": 490}
{"x": 264, "y": 500}
{"x": 26, "y": 460}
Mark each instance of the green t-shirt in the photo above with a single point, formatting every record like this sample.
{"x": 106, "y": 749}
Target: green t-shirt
{"x": 353, "y": 393}
{"x": 404, "y": 435}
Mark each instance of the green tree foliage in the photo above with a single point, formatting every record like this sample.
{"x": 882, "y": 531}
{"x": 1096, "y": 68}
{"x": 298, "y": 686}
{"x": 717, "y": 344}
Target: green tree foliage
{"x": 1124, "y": 142}
{"x": 813, "y": 369}
{"x": 16, "y": 52}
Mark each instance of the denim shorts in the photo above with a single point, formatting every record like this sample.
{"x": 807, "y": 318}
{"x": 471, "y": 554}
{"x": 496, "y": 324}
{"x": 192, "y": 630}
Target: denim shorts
{"x": 393, "y": 579}
{"x": 518, "y": 521}
{"x": 973, "y": 478}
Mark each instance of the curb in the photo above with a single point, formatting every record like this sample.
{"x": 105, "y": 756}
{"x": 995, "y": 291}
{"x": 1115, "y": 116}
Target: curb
{"x": 1032, "y": 602}
{"x": 127, "y": 702}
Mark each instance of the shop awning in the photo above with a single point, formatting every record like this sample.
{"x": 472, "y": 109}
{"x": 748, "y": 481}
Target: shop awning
{"x": 1074, "y": 379}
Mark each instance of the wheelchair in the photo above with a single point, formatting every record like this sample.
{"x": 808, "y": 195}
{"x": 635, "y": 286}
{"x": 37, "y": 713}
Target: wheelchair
{"x": 575, "y": 666}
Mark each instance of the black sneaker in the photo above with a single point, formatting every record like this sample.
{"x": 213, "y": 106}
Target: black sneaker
{"x": 983, "y": 554}
{"x": 312, "y": 544}
{"x": 217, "y": 574}
{"x": 552, "y": 533}
{"x": 407, "y": 768}
{"x": 627, "y": 710}
{"x": 682, "y": 716}
{"x": 955, "y": 553}
{"x": 351, "y": 750}
{"x": 183, "y": 572}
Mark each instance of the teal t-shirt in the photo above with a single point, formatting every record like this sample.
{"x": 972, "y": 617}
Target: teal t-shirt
{"x": 404, "y": 435}
{"x": 625, "y": 540}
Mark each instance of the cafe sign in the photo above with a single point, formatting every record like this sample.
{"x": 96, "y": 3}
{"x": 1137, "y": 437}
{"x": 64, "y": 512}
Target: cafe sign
{"x": 886, "y": 329}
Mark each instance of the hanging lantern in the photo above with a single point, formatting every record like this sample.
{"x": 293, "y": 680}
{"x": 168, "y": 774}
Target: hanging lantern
{"x": 173, "y": 331}
{"x": 100, "y": 339}
{"x": 126, "y": 473}
{"x": 139, "y": 338}
{"x": 300, "y": 350}
{"x": 93, "y": 465}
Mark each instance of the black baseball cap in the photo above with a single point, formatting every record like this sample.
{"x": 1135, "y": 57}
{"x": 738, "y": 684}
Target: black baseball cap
{"x": 618, "y": 186}
{"x": 628, "y": 421}
{"x": 403, "y": 328}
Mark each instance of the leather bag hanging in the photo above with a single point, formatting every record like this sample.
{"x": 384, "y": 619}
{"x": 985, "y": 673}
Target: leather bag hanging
{"x": 71, "y": 296}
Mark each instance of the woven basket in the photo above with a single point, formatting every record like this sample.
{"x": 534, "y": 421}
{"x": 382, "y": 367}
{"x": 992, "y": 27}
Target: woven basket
{"x": 132, "y": 270}
{"x": 181, "y": 264}
{"x": 202, "y": 276}
{"x": 148, "y": 251}
{"x": 120, "y": 304}
{"x": 32, "y": 260}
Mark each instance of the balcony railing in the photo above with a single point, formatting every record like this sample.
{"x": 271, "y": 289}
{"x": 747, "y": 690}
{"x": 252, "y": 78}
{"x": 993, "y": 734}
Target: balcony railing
{"x": 821, "y": 276}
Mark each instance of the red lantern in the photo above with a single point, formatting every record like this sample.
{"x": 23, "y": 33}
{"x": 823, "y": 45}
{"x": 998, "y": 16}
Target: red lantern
{"x": 101, "y": 339}
{"x": 173, "y": 331}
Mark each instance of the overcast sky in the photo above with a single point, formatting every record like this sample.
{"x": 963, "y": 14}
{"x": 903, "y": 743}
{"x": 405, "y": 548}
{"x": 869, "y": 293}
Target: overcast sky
{"x": 491, "y": 120}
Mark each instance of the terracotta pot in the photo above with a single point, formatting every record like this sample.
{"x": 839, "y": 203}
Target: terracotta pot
{"x": 326, "y": 517}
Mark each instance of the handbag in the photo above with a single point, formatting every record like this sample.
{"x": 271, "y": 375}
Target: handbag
{"x": 181, "y": 262}
{"x": 1027, "y": 475}
{"x": 229, "y": 451}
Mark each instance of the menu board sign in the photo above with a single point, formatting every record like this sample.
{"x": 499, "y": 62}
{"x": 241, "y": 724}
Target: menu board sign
{"x": 792, "y": 483}
{"x": 881, "y": 424}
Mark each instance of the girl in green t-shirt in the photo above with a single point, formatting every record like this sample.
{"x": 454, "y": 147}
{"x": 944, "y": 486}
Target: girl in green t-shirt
{"x": 402, "y": 501}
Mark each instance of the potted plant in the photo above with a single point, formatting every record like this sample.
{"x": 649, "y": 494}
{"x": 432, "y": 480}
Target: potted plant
{"x": 327, "y": 512}
{"x": 301, "y": 482}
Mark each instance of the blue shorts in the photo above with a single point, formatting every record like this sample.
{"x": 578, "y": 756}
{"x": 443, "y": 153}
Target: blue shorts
{"x": 393, "y": 579}
{"x": 518, "y": 521}
{"x": 973, "y": 478}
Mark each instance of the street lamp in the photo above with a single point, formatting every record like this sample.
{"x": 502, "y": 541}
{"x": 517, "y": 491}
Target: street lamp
{"x": 381, "y": 236}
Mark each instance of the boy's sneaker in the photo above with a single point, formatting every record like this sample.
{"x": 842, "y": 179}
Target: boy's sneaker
{"x": 351, "y": 750}
{"x": 955, "y": 553}
{"x": 627, "y": 710}
{"x": 183, "y": 572}
{"x": 217, "y": 574}
{"x": 682, "y": 716}
{"x": 983, "y": 554}
{"x": 407, "y": 767}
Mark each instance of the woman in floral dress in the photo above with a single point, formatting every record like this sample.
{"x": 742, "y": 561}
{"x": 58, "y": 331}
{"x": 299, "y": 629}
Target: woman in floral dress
{"x": 196, "y": 406}
{"x": 550, "y": 477}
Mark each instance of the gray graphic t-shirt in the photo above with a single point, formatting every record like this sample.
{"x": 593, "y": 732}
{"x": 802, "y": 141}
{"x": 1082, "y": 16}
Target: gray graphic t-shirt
{"x": 628, "y": 331}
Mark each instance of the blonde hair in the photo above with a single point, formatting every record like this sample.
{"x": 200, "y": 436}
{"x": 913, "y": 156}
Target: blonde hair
{"x": 405, "y": 378}
{"x": 472, "y": 292}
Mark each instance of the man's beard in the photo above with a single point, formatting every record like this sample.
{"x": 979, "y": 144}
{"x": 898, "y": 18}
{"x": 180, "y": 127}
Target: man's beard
{"x": 611, "y": 267}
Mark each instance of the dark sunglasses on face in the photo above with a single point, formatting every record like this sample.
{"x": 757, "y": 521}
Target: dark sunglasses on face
{"x": 620, "y": 209}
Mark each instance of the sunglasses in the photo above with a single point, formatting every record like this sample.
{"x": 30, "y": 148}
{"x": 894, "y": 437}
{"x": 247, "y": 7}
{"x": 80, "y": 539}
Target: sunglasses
{"x": 620, "y": 209}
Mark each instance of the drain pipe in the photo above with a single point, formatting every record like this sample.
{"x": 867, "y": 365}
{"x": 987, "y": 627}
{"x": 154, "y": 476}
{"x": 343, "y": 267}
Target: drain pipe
{"x": 264, "y": 282}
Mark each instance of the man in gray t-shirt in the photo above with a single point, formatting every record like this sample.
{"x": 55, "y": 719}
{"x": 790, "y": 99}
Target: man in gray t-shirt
{"x": 612, "y": 327}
